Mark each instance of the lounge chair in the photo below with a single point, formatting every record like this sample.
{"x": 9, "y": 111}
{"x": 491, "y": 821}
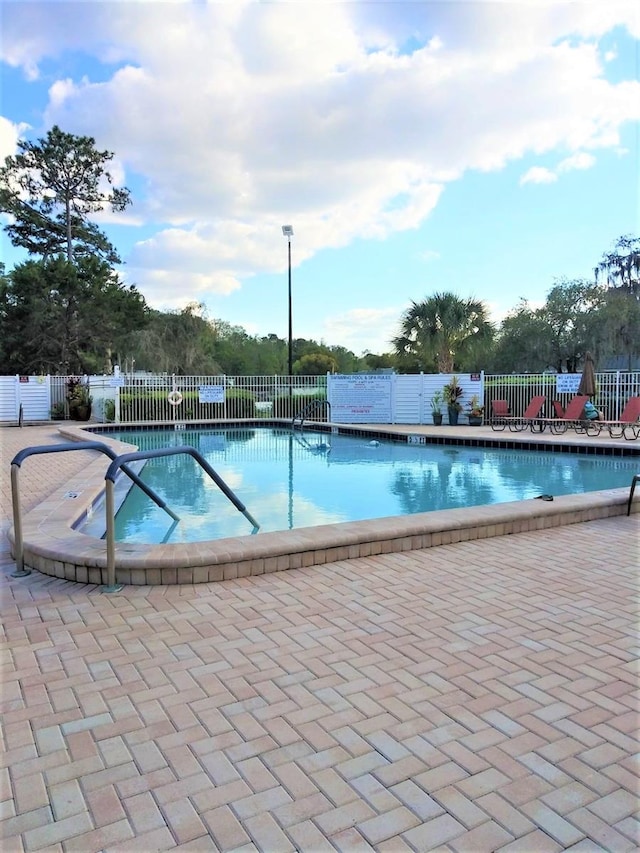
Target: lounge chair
{"x": 529, "y": 418}
{"x": 627, "y": 425}
{"x": 572, "y": 416}
{"x": 499, "y": 414}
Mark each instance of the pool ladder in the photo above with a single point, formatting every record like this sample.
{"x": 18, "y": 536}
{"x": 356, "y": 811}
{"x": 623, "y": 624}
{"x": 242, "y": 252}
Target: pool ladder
{"x": 117, "y": 463}
{"x": 310, "y": 407}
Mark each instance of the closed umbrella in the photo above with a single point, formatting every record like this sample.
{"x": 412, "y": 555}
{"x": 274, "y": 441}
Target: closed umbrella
{"x": 588, "y": 380}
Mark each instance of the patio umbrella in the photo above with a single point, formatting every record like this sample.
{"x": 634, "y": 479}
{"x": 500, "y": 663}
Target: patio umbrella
{"x": 588, "y": 380}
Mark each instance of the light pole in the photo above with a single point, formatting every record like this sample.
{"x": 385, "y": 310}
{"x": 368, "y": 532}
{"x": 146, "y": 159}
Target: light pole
{"x": 287, "y": 230}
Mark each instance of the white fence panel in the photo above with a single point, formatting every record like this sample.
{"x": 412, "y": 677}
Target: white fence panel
{"x": 9, "y": 400}
{"x": 392, "y": 398}
{"x": 35, "y": 397}
{"x": 33, "y": 393}
{"x": 408, "y": 408}
{"x": 472, "y": 384}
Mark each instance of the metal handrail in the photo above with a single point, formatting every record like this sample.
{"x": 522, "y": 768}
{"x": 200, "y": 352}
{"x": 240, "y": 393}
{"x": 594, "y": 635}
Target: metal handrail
{"x": 314, "y": 404}
{"x": 120, "y": 462}
{"x": 314, "y": 448}
{"x": 16, "y": 464}
{"x": 636, "y": 479}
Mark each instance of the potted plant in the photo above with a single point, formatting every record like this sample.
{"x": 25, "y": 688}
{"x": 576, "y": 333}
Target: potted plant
{"x": 109, "y": 410}
{"x": 57, "y": 412}
{"x": 475, "y": 411}
{"x": 436, "y": 407}
{"x": 451, "y": 394}
{"x": 79, "y": 399}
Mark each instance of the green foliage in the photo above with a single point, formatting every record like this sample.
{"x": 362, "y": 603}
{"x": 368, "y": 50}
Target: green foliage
{"x": 109, "y": 410}
{"x": 315, "y": 364}
{"x": 523, "y": 343}
{"x": 615, "y": 328}
{"x": 578, "y": 316}
{"x": 151, "y": 405}
{"x": 620, "y": 267}
{"x": 285, "y": 406}
{"x": 475, "y": 407}
{"x": 58, "y": 317}
{"x": 182, "y": 342}
{"x": 385, "y": 361}
{"x": 452, "y": 392}
{"x": 436, "y": 402}
{"x": 438, "y": 334}
{"x": 58, "y": 412}
{"x": 79, "y": 398}
{"x": 50, "y": 188}
{"x": 77, "y": 392}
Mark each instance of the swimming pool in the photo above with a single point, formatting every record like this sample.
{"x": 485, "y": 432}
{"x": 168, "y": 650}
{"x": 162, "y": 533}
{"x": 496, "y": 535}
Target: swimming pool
{"x": 290, "y": 480}
{"x": 54, "y": 544}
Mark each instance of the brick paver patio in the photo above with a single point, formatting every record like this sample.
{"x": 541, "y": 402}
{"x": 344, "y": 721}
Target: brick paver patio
{"x": 472, "y": 697}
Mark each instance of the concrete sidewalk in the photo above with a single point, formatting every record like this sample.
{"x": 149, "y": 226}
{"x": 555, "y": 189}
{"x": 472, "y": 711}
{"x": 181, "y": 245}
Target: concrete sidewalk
{"x": 473, "y": 697}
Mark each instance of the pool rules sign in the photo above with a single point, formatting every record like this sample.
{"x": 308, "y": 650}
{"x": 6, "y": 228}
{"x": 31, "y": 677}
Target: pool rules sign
{"x": 360, "y": 399}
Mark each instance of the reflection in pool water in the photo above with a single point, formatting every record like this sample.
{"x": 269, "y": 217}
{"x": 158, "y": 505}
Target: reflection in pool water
{"x": 290, "y": 479}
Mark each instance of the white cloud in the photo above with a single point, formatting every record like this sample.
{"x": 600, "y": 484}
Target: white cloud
{"x": 174, "y": 289}
{"x": 429, "y": 255}
{"x": 10, "y": 133}
{"x": 361, "y": 328}
{"x": 347, "y": 119}
{"x": 538, "y": 175}
{"x": 579, "y": 160}
{"x": 541, "y": 175}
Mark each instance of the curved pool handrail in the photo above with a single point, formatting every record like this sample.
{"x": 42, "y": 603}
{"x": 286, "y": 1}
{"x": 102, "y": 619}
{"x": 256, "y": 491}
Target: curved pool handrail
{"x": 636, "y": 479}
{"x": 121, "y": 460}
{"x": 110, "y": 476}
{"x": 314, "y": 404}
{"x": 37, "y": 450}
{"x": 21, "y": 455}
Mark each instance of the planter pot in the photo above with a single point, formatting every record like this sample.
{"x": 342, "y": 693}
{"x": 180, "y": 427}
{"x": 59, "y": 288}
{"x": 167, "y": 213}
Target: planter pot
{"x": 437, "y": 418}
{"x": 453, "y": 415}
{"x": 80, "y": 413}
{"x": 475, "y": 420}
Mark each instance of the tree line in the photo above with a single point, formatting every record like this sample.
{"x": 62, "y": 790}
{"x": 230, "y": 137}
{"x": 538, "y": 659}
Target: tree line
{"x": 66, "y": 311}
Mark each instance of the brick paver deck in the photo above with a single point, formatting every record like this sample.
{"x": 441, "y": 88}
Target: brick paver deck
{"x": 473, "y": 697}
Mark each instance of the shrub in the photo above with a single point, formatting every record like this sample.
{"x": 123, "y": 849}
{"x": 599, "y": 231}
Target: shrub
{"x": 152, "y": 405}
{"x": 286, "y": 406}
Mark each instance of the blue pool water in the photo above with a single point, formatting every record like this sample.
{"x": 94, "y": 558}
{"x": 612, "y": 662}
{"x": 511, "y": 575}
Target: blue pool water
{"x": 287, "y": 479}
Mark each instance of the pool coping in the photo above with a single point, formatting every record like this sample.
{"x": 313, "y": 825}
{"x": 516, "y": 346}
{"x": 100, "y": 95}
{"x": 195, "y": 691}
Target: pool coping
{"x": 53, "y": 547}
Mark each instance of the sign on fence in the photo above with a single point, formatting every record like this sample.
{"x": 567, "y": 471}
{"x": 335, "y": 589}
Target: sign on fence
{"x": 567, "y": 383}
{"x": 211, "y": 393}
{"x": 360, "y": 398}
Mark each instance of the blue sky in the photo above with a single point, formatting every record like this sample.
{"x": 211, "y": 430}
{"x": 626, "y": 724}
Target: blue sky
{"x": 484, "y": 148}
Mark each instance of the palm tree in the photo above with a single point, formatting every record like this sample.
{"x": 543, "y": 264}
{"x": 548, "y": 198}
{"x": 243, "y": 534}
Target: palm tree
{"x": 440, "y": 331}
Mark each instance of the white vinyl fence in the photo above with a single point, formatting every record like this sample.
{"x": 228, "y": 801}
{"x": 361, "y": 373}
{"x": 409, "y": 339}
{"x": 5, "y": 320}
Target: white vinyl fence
{"x": 25, "y": 398}
{"x": 366, "y": 398}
